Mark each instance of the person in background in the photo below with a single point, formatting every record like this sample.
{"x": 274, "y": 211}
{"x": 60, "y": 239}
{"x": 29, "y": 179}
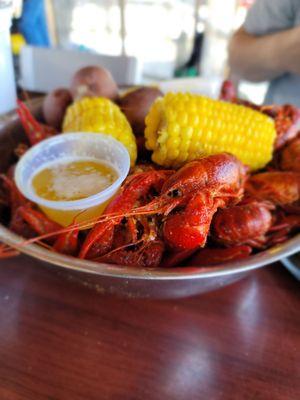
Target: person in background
{"x": 267, "y": 48}
{"x": 33, "y": 23}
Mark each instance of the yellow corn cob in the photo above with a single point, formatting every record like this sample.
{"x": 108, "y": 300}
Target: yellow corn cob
{"x": 97, "y": 114}
{"x": 181, "y": 127}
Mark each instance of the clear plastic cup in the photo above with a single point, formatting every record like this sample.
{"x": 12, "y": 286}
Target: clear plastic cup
{"x": 73, "y": 146}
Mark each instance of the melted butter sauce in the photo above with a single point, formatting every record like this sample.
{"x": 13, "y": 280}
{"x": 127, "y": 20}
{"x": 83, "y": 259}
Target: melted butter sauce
{"x": 73, "y": 179}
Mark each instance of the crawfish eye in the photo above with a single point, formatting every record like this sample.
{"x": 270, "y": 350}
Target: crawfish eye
{"x": 175, "y": 193}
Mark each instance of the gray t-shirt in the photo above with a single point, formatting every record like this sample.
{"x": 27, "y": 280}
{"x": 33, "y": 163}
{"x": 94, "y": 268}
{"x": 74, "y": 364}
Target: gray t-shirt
{"x": 270, "y": 16}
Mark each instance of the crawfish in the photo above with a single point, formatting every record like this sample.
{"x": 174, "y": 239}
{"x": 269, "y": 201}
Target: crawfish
{"x": 16, "y": 200}
{"x": 290, "y": 156}
{"x": 278, "y": 187}
{"x": 36, "y": 221}
{"x": 243, "y": 224}
{"x": 35, "y": 131}
{"x": 287, "y": 122}
{"x": 282, "y": 189}
{"x": 27, "y": 221}
{"x": 201, "y": 187}
{"x": 137, "y": 191}
{"x": 254, "y": 221}
{"x": 137, "y": 244}
{"x": 185, "y": 205}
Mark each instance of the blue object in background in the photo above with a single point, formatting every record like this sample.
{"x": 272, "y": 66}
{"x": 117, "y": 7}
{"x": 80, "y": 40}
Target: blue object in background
{"x": 33, "y": 23}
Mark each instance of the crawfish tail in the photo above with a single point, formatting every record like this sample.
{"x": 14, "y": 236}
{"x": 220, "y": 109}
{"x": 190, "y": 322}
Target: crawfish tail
{"x": 242, "y": 224}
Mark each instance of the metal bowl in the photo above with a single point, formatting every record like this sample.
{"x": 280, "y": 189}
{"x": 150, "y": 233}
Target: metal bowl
{"x": 133, "y": 282}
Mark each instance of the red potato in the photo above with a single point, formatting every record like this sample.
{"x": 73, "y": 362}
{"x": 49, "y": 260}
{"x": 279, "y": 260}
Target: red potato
{"x": 93, "y": 81}
{"x": 136, "y": 105}
{"x": 55, "y": 105}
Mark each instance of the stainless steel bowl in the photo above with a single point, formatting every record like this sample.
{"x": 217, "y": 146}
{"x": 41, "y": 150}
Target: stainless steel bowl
{"x": 158, "y": 283}
{"x": 134, "y": 282}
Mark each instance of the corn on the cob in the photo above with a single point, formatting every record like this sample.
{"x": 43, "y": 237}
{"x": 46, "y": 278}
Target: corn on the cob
{"x": 181, "y": 127}
{"x": 97, "y": 114}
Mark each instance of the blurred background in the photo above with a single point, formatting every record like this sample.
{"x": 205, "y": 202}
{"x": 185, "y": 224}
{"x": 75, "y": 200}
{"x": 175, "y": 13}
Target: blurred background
{"x": 142, "y": 41}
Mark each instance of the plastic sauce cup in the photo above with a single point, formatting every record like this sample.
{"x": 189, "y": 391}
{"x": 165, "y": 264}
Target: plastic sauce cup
{"x": 75, "y": 146}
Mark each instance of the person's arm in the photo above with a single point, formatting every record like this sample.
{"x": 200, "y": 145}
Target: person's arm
{"x": 259, "y": 58}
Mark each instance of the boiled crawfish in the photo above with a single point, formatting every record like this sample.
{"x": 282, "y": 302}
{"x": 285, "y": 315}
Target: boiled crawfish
{"x": 243, "y": 224}
{"x": 35, "y": 131}
{"x": 290, "y": 156}
{"x": 29, "y": 222}
{"x": 200, "y": 188}
{"x": 185, "y": 203}
{"x": 267, "y": 214}
{"x": 137, "y": 191}
{"x": 278, "y": 187}
{"x": 25, "y": 219}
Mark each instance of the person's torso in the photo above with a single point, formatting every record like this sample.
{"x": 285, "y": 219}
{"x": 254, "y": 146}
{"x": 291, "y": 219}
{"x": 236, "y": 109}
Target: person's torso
{"x": 283, "y": 90}
{"x": 286, "y": 88}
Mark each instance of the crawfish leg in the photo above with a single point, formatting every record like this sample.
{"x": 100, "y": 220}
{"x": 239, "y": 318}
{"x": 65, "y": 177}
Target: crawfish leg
{"x": 35, "y": 131}
{"x": 39, "y": 222}
{"x": 67, "y": 243}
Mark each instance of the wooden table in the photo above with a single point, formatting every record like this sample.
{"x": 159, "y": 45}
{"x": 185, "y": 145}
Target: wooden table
{"x": 62, "y": 341}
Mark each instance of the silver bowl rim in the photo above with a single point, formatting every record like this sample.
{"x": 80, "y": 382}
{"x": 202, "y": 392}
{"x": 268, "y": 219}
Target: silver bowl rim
{"x": 261, "y": 259}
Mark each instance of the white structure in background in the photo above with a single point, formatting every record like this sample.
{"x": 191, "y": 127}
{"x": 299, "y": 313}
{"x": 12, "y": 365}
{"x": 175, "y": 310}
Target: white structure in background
{"x": 150, "y": 30}
{"x": 44, "y": 69}
{"x": 205, "y": 86}
{"x": 7, "y": 80}
{"x": 223, "y": 17}
{"x": 219, "y": 25}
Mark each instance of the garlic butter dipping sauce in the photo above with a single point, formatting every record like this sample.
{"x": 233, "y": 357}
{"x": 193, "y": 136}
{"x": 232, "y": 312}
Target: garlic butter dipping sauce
{"x": 73, "y": 179}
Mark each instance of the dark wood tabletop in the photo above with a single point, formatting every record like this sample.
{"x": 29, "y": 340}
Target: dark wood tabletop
{"x": 61, "y": 341}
